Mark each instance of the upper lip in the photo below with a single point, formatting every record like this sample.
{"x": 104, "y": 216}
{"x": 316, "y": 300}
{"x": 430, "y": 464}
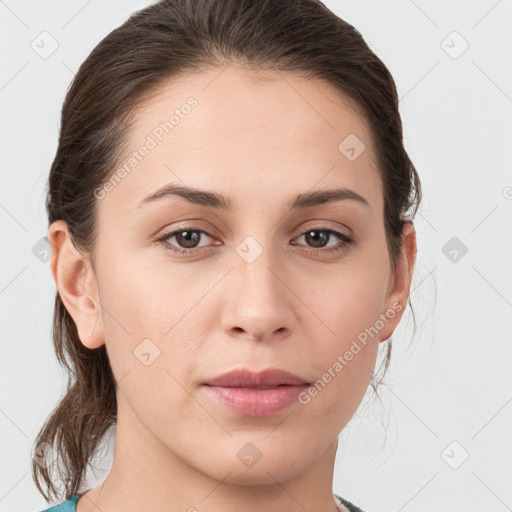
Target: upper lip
{"x": 246, "y": 377}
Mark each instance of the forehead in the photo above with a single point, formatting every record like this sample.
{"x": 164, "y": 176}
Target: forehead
{"x": 244, "y": 133}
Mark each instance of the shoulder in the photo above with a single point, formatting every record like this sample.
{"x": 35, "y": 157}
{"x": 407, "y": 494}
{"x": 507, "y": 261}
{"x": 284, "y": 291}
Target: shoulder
{"x": 350, "y": 506}
{"x": 67, "y": 506}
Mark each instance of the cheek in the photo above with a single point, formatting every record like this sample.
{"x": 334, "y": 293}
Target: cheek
{"x": 152, "y": 340}
{"x": 344, "y": 361}
{"x": 345, "y": 331}
{"x": 147, "y": 295}
{"x": 150, "y": 315}
{"x": 348, "y": 300}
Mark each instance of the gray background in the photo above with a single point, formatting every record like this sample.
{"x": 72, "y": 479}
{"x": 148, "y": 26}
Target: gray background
{"x": 441, "y": 438}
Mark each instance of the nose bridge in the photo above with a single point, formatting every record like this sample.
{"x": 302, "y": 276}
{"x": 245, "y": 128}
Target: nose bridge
{"x": 255, "y": 266}
{"x": 257, "y": 301}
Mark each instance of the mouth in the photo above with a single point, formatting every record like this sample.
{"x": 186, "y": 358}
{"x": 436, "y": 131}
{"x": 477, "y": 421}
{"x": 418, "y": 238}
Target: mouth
{"x": 257, "y": 394}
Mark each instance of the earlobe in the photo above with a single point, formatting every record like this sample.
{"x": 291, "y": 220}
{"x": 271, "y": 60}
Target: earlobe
{"x": 76, "y": 285}
{"x": 400, "y": 283}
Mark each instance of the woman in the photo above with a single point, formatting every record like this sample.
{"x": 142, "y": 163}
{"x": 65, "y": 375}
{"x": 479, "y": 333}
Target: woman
{"x": 230, "y": 214}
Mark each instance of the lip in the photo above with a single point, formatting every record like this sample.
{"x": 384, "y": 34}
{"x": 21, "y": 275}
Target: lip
{"x": 237, "y": 391}
{"x": 245, "y": 377}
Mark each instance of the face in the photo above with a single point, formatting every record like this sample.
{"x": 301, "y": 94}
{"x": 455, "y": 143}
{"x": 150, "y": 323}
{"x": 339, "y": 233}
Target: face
{"x": 270, "y": 275}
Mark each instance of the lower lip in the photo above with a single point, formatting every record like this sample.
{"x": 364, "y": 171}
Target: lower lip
{"x": 256, "y": 402}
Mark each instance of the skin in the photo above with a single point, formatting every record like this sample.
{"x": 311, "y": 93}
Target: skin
{"x": 259, "y": 138}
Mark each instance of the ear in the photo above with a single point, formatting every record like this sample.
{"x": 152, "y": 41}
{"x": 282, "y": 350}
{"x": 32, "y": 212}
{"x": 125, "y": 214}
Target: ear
{"x": 76, "y": 284}
{"x": 400, "y": 281}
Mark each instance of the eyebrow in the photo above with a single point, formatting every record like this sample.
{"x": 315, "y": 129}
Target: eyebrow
{"x": 215, "y": 200}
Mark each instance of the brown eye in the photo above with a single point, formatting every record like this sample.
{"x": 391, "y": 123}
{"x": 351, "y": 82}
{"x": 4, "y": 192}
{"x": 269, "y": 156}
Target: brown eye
{"x": 317, "y": 240}
{"x": 187, "y": 240}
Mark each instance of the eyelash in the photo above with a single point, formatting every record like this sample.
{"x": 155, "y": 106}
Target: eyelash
{"x": 346, "y": 239}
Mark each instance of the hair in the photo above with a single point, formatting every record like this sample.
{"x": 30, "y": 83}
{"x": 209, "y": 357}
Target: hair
{"x": 153, "y": 45}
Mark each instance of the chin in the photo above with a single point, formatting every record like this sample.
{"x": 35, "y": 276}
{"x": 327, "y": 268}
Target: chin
{"x": 250, "y": 466}
{"x": 267, "y": 474}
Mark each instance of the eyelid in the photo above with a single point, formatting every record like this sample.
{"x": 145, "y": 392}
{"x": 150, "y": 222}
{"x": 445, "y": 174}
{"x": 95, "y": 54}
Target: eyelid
{"x": 176, "y": 230}
{"x": 323, "y": 225}
{"x": 188, "y": 225}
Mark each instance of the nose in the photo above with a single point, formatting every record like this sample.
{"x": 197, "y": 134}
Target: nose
{"x": 258, "y": 303}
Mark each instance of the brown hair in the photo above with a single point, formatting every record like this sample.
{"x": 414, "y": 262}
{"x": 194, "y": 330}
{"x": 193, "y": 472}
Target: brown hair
{"x": 153, "y": 45}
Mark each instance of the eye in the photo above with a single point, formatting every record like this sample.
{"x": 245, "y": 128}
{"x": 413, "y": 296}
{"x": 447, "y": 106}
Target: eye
{"x": 187, "y": 239}
{"x": 318, "y": 239}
